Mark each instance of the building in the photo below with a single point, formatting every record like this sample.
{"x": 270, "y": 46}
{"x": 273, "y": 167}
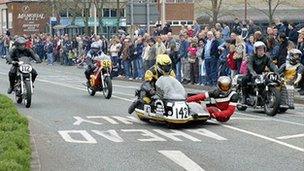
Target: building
{"x": 178, "y": 13}
{"x": 23, "y": 16}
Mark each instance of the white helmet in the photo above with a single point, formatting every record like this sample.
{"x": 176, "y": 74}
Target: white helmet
{"x": 294, "y": 56}
{"x": 224, "y": 84}
{"x": 258, "y": 44}
{"x": 95, "y": 45}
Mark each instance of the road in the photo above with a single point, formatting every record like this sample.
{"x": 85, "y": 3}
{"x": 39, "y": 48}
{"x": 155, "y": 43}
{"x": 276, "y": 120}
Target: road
{"x": 71, "y": 130}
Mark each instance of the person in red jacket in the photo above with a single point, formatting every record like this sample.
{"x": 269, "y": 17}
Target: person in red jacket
{"x": 221, "y": 103}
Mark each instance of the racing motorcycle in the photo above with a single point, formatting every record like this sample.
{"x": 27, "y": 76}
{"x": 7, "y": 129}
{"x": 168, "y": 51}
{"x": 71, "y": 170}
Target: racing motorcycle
{"x": 264, "y": 92}
{"x": 169, "y": 105}
{"x": 100, "y": 80}
{"x": 23, "y": 87}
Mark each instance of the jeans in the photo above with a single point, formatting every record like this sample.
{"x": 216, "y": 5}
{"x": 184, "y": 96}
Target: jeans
{"x": 115, "y": 69}
{"x": 194, "y": 72}
{"x": 50, "y": 58}
{"x": 127, "y": 68}
{"x": 211, "y": 70}
{"x": 178, "y": 71}
{"x": 138, "y": 67}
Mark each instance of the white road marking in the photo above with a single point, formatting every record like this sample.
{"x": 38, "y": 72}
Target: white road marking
{"x": 107, "y": 118}
{"x": 290, "y": 136}
{"x": 146, "y": 133}
{"x": 79, "y": 120}
{"x": 207, "y": 133}
{"x": 174, "y": 133}
{"x": 111, "y": 135}
{"x": 181, "y": 159}
{"x": 66, "y": 135}
{"x": 128, "y": 120}
{"x": 264, "y": 137}
{"x": 271, "y": 119}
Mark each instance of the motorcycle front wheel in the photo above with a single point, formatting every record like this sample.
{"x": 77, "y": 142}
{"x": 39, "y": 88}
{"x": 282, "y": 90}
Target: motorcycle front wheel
{"x": 27, "y": 94}
{"x": 272, "y": 101}
{"x": 108, "y": 88}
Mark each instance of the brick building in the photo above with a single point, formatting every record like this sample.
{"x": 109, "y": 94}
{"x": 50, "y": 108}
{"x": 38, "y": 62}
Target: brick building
{"x": 178, "y": 13}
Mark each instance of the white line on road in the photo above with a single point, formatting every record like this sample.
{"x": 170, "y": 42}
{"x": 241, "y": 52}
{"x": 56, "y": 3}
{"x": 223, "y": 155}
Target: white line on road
{"x": 290, "y": 136}
{"x": 271, "y": 119}
{"x": 264, "y": 137}
{"x": 181, "y": 159}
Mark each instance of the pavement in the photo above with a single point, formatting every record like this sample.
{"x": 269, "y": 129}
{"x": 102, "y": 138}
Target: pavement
{"x": 71, "y": 130}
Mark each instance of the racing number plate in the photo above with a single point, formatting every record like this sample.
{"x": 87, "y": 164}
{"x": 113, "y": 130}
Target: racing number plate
{"x": 180, "y": 110}
{"x": 25, "y": 68}
{"x": 107, "y": 63}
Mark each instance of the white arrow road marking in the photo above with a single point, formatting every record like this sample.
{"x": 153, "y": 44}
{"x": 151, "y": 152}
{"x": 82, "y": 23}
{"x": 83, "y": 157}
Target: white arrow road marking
{"x": 290, "y": 136}
{"x": 181, "y": 159}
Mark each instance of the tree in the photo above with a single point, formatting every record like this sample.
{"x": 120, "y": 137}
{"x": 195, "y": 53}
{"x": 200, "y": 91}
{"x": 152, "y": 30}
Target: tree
{"x": 271, "y": 6}
{"x": 211, "y": 8}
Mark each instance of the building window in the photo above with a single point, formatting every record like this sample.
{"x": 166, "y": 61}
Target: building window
{"x": 113, "y": 12}
{"x": 106, "y": 12}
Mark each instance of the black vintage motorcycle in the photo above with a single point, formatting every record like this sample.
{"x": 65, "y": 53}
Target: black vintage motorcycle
{"x": 264, "y": 92}
{"x": 23, "y": 88}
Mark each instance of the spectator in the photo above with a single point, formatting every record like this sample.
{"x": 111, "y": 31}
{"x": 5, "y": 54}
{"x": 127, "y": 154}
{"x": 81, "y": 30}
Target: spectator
{"x": 193, "y": 60}
{"x": 280, "y": 57}
{"x": 160, "y": 47}
{"x": 114, "y": 50}
{"x": 138, "y": 60}
{"x": 210, "y": 55}
{"x": 49, "y": 47}
{"x": 182, "y": 62}
{"x": 240, "y": 52}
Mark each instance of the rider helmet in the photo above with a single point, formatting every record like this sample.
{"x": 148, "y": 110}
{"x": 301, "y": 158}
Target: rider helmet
{"x": 20, "y": 43}
{"x": 259, "y": 44}
{"x": 294, "y": 56}
{"x": 164, "y": 64}
{"x": 224, "y": 84}
{"x": 95, "y": 46}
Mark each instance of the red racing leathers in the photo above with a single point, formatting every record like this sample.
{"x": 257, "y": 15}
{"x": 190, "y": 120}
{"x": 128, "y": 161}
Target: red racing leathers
{"x": 220, "y": 106}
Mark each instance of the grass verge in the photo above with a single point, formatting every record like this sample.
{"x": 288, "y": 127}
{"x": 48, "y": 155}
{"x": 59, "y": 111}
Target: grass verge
{"x": 15, "y": 150}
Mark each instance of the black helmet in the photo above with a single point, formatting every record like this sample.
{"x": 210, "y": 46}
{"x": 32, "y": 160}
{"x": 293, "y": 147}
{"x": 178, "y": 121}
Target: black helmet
{"x": 20, "y": 43}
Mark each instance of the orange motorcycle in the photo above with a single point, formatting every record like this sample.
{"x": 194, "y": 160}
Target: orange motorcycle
{"x": 101, "y": 77}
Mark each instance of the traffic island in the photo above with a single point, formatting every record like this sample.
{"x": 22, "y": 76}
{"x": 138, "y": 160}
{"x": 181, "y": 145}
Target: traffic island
{"x": 15, "y": 149}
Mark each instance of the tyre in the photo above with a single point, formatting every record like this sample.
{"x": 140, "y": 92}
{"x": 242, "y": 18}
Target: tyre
{"x": 108, "y": 88}
{"x": 27, "y": 94}
{"x": 272, "y": 101}
{"x": 282, "y": 110}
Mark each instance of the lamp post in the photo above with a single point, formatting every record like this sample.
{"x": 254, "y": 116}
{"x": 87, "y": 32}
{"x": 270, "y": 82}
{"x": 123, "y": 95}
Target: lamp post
{"x": 95, "y": 17}
{"x": 246, "y": 9}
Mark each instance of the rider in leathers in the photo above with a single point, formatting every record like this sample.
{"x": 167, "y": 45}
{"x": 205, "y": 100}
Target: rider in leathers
{"x": 93, "y": 52}
{"x": 162, "y": 67}
{"x": 257, "y": 64}
{"x": 18, "y": 52}
{"x": 221, "y": 102}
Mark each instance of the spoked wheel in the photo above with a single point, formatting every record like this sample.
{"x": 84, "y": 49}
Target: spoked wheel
{"x": 107, "y": 89}
{"x": 272, "y": 101}
{"x": 27, "y": 94}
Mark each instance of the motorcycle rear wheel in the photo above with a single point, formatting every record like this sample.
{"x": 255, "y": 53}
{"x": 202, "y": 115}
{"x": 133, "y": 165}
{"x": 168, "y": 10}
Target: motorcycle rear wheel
{"x": 276, "y": 102}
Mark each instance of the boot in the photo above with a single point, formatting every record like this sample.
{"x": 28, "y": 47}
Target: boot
{"x": 10, "y": 90}
{"x": 133, "y": 106}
